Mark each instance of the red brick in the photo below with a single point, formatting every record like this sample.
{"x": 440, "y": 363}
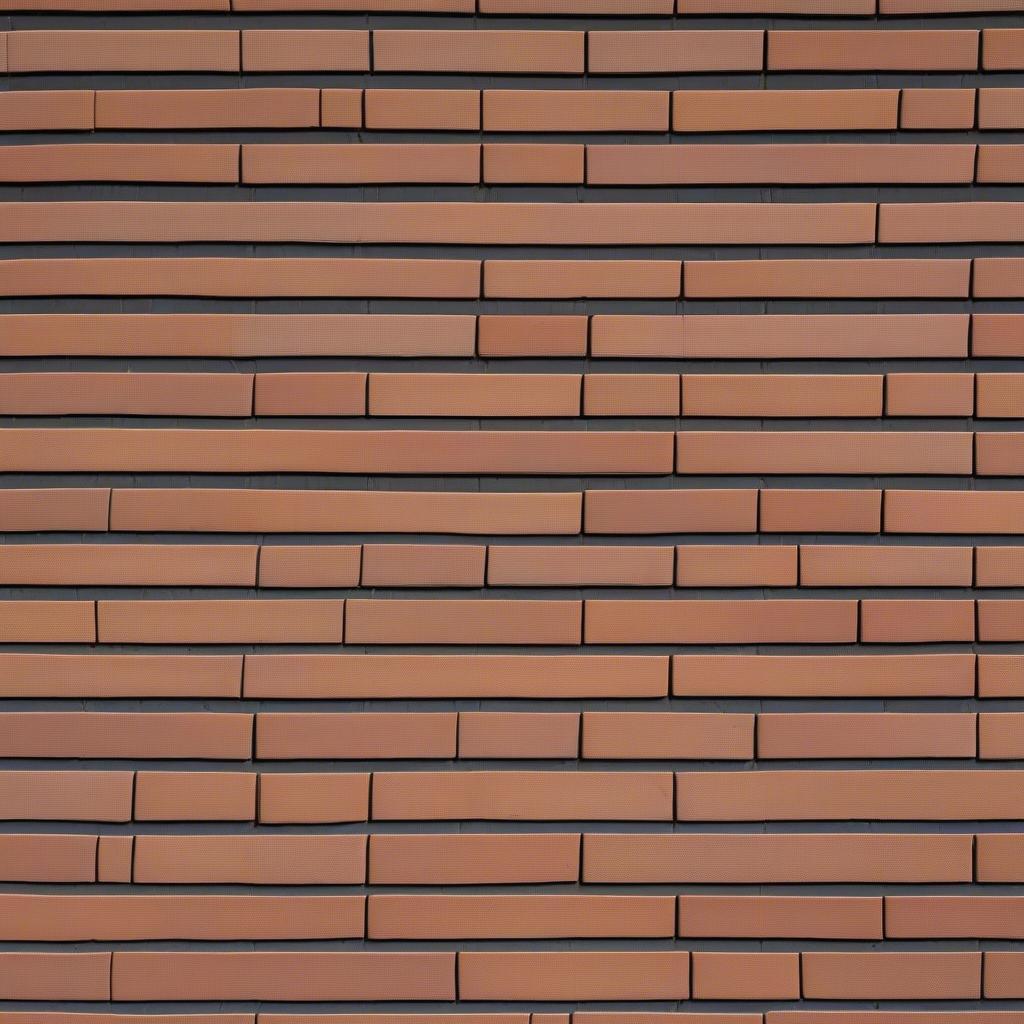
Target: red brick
{"x": 582, "y": 279}
{"x": 207, "y": 108}
{"x": 630, "y": 394}
{"x": 671, "y": 511}
{"x": 660, "y": 52}
{"x": 1000, "y": 395}
{"x": 305, "y": 50}
{"x": 114, "y": 858}
{"x": 364, "y": 736}
{"x": 518, "y": 734}
{"x": 34, "y": 510}
{"x": 57, "y": 110}
{"x": 485, "y": 51}
{"x": 859, "y": 565}
{"x": 590, "y": 110}
{"x": 891, "y": 975}
{"x": 768, "y": 395}
{"x": 533, "y": 163}
{"x": 1000, "y": 108}
{"x": 309, "y": 394}
{"x": 1002, "y": 49}
{"x": 955, "y": 512}
{"x": 510, "y": 336}
{"x": 65, "y": 796}
{"x": 809, "y": 511}
{"x": 190, "y": 163}
{"x": 61, "y": 622}
{"x": 877, "y": 50}
{"x": 47, "y": 858}
{"x": 927, "y": 917}
{"x": 151, "y": 51}
{"x": 421, "y": 109}
{"x": 299, "y": 565}
{"x": 51, "y": 976}
{"x": 1000, "y": 675}
{"x": 929, "y": 394}
{"x": 1002, "y": 976}
{"x": 915, "y": 622}
{"x": 474, "y": 394}
{"x": 936, "y": 108}
{"x": 667, "y": 736}
{"x": 423, "y": 565}
{"x": 1000, "y": 857}
{"x": 290, "y": 798}
{"x": 749, "y": 110}
{"x": 797, "y": 917}
{"x": 578, "y": 566}
{"x": 195, "y": 796}
{"x": 746, "y": 975}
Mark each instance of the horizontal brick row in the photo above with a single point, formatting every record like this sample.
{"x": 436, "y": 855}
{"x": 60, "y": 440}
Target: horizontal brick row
{"x": 598, "y": 512}
{"x": 510, "y": 395}
{"x": 506, "y": 975}
{"x": 467, "y": 858}
{"x": 578, "y": 224}
{"x": 500, "y": 453}
{"x": 454, "y": 163}
{"x": 386, "y": 676}
{"x": 697, "y": 110}
{"x": 80, "y": 918}
{"x": 466, "y": 565}
{"x": 554, "y": 622}
{"x": 484, "y": 735}
{"x": 305, "y": 277}
{"x": 515, "y": 52}
{"x": 738, "y": 336}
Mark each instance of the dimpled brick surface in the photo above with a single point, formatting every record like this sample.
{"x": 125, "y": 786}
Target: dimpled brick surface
{"x": 511, "y": 512}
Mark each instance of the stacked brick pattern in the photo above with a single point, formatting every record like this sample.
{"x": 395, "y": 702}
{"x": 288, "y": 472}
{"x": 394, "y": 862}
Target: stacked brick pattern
{"x": 511, "y": 512}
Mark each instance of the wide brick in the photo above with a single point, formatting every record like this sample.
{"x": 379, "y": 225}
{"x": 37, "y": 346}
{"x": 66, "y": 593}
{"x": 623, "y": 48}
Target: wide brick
{"x": 423, "y": 565}
{"x": 859, "y": 565}
{"x": 362, "y": 736}
{"x": 301, "y": 565}
{"x": 289, "y": 798}
{"x": 660, "y": 52}
{"x": 195, "y": 796}
{"x": 305, "y": 50}
{"x": 959, "y": 222}
{"x": 522, "y": 796}
{"x": 578, "y": 566}
{"x": 591, "y": 110}
{"x": 746, "y": 975}
{"x": 33, "y": 510}
{"x": 1000, "y": 108}
{"x": 52, "y": 976}
{"x": 474, "y": 394}
{"x": 668, "y": 736}
{"x": 937, "y": 108}
{"x": 929, "y": 394}
{"x": 534, "y": 163}
{"x": 951, "y": 917}
{"x": 485, "y": 51}
{"x": 917, "y": 621}
{"x": 768, "y": 395}
{"x": 46, "y": 110}
{"x": 582, "y": 279}
{"x": 954, "y": 512}
{"x": 812, "y": 511}
{"x": 207, "y": 108}
{"x": 630, "y": 394}
{"x": 736, "y": 565}
{"x": 1000, "y": 620}
{"x": 891, "y": 975}
{"x": 309, "y": 394}
{"x": 510, "y": 336}
{"x": 65, "y": 796}
{"x": 147, "y": 50}
{"x": 421, "y": 109}
{"x": 188, "y": 163}
{"x": 797, "y": 917}
{"x": 54, "y": 622}
{"x": 1001, "y": 395}
{"x": 671, "y": 511}
{"x": 756, "y": 110}
{"x": 873, "y": 50}
{"x": 33, "y": 857}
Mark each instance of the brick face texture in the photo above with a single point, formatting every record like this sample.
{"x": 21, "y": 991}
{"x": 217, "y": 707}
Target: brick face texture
{"x": 511, "y": 512}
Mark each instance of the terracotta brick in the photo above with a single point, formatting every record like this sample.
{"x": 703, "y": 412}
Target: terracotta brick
{"x": 1000, "y": 675}
{"x": 441, "y": 223}
{"x": 776, "y": 7}
{"x": 817, "y": 336}
{"x": 1002, "y": 49}
{"x": 411, "y": 1018}
{"x": 1000, "y": 108}
{"x": 305, "y": 50}
{"x": 736, "y": 565}
{"x": 797, "y": 917}
{"x": 926, "y": 795}
{"x": 359, "y": 163}
{"x": 518, "y": 734}
{"x": 423, "y": 565}
{"x": 341, "y": 108}
{"x": 234, "y": 335}
{"x": 746, "y": 975}
{"x": 937, "y": 108}
{"x": 91, "y": 734}
{"x": 963, "y": 512}
{"x": 61, "y": 622}
{"x": 180, "y": 162}
{"x": 888, "y": 735}
{"x": 724, "y": 621}
{"x": 631, "y": 7}
{"x": 839, "y": 395}
{"x": 953, "y": 222}
{"x": 65, "y": 796}
{"x": 794, "y": 110}
{"x": 1000, "y": 620}
{"x": 464, "y": 675}
{"x": 819, "y": 279}
{"x": 1000, "y": 857}
{"x": 891, "y": 975}
{"x": 509, "y": 336}
{"x": 148, "y": 50}
{"x": 270, "y": 276}
{"x": 661, "y": 52}
{"x": 309, "y": 394}
{"x": 473, "y": 859}
{"x": 828, "y": 675}
{"x": 671, "y": 511}
{"x": 114, "y": 858}
{"x": 945, "y": 6}
{"x": 45, "y": 110}
{"x": 522, "y": 796}
{"x": 630, "y": 394}
{"x": 519, "y": 917}
{"x": 807, "y": 511}
{"x": 533, "y": 163}
{"x": 582, "y": 279}
{"x": 915, "y": 622}
{"x": 484, "y": 51}
{"x": 196, "y": 796}
{"x": 462, "y": 622}
{"x": 47, "y": 858}
{"x": 289, "y": 798}
{"x": 33, "y": 510}
{"x": 1001, "y": 395}
{"x": 128, "y": 394}
{"x": 878, "y": 50}
{"x": 667, "y": 736}
{"x": 360, "y": 737}
{"x": 859, "y": 565}
{"x": 251, "y": 859}
{"x": 207, "y": 108}
{"x": 81, "y": 976}
{"x": 999, "y": 566}
{"x": 1002, "y": 975}
{"x": 422, "y": 109}
{"x": 910, "y": 917}
{"x": 220, "y": 622}
{"x": 248, "y": 511}
{"x": 590, "y": 110}
{"x": 283, "y": 976}
{"x": 929, "y": 394}
{"x": 997, "y": 334}
{"x": 299, "y": 565}
{"x": 764, "y": 858}
{"x": 579, "y": 566}
{"x": 474, "y": 394}
{"x": 997, "y": 278}
{"x": 128, "y": 564}
{"x": 120, "y": 675}
{"x": 1000, "y": 454}
{"x": 787, "y": 163}
{"x": 605, "y": 975}
{"x": 76, "y": 918}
